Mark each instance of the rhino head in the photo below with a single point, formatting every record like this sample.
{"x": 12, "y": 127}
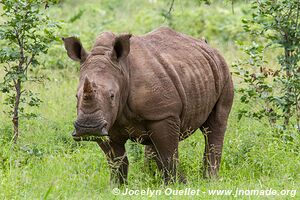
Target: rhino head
{"x": 103, "y": 82}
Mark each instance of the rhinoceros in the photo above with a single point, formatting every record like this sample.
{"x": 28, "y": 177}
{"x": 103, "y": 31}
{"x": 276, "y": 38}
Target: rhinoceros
{"x": 156, "y": 89}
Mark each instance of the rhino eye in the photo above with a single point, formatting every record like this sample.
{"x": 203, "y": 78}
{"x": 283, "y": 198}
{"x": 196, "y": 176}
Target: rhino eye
{"x": 112, "y": 96}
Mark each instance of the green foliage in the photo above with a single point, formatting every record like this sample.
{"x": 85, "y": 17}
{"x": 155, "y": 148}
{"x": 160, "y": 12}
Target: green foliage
{"x": 272, "y": 92}
{"x": 25, "y": 34}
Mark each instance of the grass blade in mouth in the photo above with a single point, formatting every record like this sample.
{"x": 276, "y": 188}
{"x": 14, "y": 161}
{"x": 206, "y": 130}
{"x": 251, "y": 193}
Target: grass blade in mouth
{"x": 88, "y": 138}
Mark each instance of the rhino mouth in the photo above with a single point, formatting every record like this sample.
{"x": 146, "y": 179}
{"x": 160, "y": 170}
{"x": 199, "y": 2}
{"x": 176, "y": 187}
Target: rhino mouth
{"x": 89, "y": 132}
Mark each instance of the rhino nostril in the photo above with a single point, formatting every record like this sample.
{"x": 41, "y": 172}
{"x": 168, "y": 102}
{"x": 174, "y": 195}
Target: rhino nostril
{"x": 74, "y": 133}
{"x": 76, "y": 124}
{"x": 104, "y": 124}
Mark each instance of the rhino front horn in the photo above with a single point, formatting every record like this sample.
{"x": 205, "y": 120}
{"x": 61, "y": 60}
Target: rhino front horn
{"x": 87, "y": 86}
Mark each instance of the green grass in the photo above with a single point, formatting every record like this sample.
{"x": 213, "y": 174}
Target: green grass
{"x": 47, "y": 164}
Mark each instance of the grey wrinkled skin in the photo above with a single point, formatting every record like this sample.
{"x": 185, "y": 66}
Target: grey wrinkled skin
{"x": 155, "y": 89}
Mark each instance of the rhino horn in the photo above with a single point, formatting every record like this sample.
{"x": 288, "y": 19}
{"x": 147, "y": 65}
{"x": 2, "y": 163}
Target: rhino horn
{"x": 87, "y": 86}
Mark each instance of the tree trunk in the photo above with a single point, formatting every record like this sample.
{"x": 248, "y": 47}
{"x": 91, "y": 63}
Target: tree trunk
{"x": 15, "y": 118}
{"x": 17, "y": 85}
{"x": 298, "y": 113}
{"x": 287, "y": 114}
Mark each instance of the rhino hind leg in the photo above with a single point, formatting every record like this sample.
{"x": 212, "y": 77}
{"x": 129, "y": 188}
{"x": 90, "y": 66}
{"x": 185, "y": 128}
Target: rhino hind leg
{"x": 164, "y": 135}
{"x": 214, "y": 130}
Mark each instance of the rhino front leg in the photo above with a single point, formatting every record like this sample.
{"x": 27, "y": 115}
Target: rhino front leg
{"x": 150, "y": 157}
{"x": 117, "y": 160}
{"x": 164, "y": 135}
{"x": 150, "y": 154}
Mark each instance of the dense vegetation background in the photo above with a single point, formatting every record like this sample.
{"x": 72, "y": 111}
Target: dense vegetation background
{"x": 47, "y": 163}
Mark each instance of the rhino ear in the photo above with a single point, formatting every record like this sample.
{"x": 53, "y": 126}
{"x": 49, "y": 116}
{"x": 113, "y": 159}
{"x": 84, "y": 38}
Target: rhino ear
{"x": 121, "y": 46}
{"x": 75, "y": 49}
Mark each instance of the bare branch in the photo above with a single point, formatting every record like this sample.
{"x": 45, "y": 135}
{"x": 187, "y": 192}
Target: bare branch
{"x": 171, "y": 8}
{"x": 29, "y": 62}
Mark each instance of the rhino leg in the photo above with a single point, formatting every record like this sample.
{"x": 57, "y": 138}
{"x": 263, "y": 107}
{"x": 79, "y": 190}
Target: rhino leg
{"x": 117, "y": 160}
{"x": 164, "y": 135}
{"x": 151, "y": 155}
{"x": 214, "y": 130}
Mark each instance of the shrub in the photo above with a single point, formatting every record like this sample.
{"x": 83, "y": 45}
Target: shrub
{"x": 270, "y": 92}
{"x": 25, "y": 34}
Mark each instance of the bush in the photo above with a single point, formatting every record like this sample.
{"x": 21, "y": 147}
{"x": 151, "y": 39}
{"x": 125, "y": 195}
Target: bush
{"x": 25, "y": 34}
{"x": 272, "y": 92}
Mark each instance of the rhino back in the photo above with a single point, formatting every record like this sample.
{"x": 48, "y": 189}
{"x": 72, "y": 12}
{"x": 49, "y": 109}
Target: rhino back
{"x": 174, "y": 75}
